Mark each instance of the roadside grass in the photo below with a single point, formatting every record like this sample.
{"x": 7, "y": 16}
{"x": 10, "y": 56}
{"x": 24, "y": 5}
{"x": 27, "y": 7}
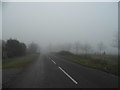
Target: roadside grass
{"x": 105, "y": 63}
{"x": 18, "y": 62}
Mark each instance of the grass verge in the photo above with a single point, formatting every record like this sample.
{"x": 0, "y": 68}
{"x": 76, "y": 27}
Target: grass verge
{"x": 18, "y": 62}
{"x": 108, "y": 64}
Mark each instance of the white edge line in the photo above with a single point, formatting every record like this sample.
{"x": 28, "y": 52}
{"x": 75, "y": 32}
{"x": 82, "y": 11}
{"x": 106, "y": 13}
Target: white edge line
{"x": 68, "y": 75}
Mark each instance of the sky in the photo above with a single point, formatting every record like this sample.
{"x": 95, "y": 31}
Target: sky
{"x": 56, "y": 23}
{"x": 0, "y": 20}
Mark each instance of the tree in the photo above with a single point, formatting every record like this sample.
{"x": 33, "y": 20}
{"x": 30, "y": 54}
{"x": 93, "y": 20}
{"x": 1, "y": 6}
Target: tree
{"x": 14, "y": 48}
{"x": 4, "y": 52}
{"x": 101, "y": 47}
{"x": 50, "y": 48}
{"x": 0, "y": 48}
{"x": 116, "y": 40}
{"x": 33, "y": 48}
{"x": 86, "y": 48}
{"x": 77, "y": 47}
{"x": 0, "y": 44}
{"x": 67, "y": 47}
{"x": 23, "y": 49}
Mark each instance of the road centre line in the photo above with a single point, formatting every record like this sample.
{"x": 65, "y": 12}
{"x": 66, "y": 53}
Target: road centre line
{"x": 53, "y": 61}
{"x": 68, "y": 75}
{"x": 64, "y": 72}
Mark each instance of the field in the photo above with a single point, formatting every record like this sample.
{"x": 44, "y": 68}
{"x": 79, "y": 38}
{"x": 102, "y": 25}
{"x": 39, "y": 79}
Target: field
{"x": 18, "y": 62}
{"x": 107, "y": 63}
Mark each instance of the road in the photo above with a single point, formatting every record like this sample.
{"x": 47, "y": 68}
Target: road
{"x": 0, "y": 78}
{"x": 50, "y": 71}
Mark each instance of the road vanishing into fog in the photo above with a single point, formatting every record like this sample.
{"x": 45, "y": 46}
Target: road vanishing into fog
{"x": 51, "y": 71}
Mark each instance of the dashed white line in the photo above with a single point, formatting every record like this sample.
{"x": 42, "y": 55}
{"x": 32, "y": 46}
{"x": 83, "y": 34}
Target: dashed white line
{"x": 68, "y": 75}
{"x": 64, "y": 72}
{"x": 53, "y": 61}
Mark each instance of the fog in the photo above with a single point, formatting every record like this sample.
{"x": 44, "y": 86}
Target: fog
{"x": 53, "y": 24}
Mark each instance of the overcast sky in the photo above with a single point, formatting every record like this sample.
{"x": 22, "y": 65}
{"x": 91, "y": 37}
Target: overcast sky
{"x": 0, "y": 20}
{"x": 55, "y": 23}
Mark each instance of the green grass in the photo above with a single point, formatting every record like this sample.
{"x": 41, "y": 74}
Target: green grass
{"x": 18, "y": 62}
{"x": 105, "y": 63}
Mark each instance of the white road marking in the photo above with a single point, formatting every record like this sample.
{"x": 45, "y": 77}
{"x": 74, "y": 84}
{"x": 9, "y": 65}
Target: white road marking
{"x": 53, "y": 61}
{"x": 64, "y": 71}
{"x": 49, "y": 57}
{"x": 68, "y": 75}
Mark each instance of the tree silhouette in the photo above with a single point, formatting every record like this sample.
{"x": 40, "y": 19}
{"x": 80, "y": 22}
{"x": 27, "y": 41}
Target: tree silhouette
{"x": 14, "y": 48}
{"x": 33, "y": 48}
{"x": 101, "y": 47}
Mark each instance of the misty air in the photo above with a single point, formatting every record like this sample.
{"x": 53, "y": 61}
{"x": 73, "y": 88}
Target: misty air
{"x": 59, "y": 44}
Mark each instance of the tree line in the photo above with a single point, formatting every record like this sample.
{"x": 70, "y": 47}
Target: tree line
{"x": 80, "y": 48}
{"x": 14, "y": 48}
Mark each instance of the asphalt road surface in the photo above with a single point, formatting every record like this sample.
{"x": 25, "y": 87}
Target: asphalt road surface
{"x": 0, "y": 78}
{"x": 50, "y": 71}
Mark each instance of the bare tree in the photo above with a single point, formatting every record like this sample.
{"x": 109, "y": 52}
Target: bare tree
{"x": 68, "y": 46}
{"x": 33, "y": 48}
{"x": 1, "y": 54}
{"x": 86, "y": 48}
{"x": 77, "y": 47}
{"x": 50, "y": 48}
{"x": 101, "y": 47}
{"x": 115, "y": 40}
{"x": 118, "y": 37}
